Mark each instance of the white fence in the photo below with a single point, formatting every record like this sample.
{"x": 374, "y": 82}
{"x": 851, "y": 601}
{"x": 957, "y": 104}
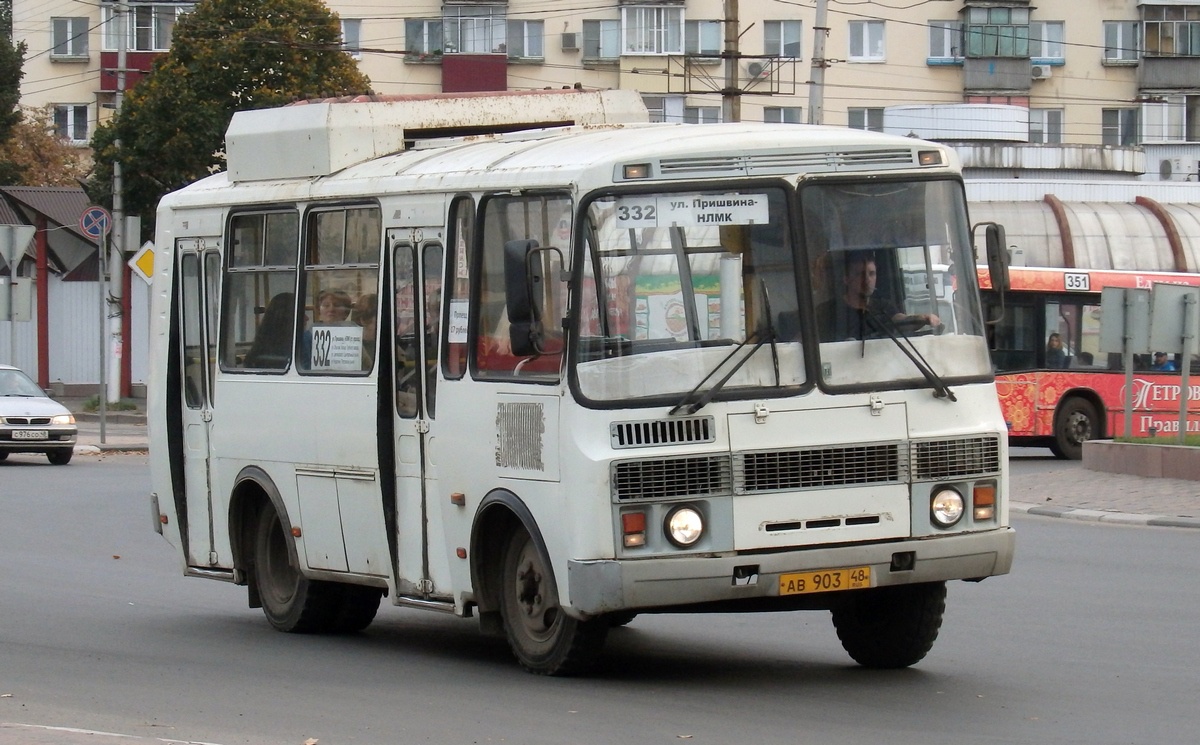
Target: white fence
{"x": 75, "y": 334}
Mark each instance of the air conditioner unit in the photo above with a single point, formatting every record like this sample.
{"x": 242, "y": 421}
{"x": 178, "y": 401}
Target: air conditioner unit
{"x": 1172, "y": 169}
{"x": 570, "y": 42}
{"x": 756, "y": 70}
{"x": 1040, "y": 72}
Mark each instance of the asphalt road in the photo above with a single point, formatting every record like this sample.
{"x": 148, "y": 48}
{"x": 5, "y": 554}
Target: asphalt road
{"x": 1090, "y": 640}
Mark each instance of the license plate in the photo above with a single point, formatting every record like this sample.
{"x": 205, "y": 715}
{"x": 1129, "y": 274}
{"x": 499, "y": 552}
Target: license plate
{"x": 30, "y": 434}
{"x": 826, "y": 580}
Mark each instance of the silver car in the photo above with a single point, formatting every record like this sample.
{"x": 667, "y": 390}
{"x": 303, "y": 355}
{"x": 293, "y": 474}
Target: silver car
{"x": 31, "y": 422}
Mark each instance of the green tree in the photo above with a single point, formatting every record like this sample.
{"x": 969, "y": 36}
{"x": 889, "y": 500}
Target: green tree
{"x": 12, "y": 58}
{"x": 226, "y": 56}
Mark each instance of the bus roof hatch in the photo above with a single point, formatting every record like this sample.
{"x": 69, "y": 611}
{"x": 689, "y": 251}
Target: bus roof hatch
{"x": 318, "y": 138}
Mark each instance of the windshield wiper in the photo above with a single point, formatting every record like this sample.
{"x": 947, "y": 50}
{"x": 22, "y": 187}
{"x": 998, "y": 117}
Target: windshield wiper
{"x": 940, "y": 389}
{"x": 761, "y": 337}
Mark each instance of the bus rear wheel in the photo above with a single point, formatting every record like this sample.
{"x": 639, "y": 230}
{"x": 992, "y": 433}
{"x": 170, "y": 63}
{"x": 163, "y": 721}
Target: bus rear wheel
{"x": 1075, "y": 423}
{"x": 890, "y": 627}
{"x": 290, "y": 601}
{"x": 543, "y": 638}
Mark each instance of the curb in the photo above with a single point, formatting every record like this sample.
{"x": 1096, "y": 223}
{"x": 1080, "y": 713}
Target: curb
{"x": 1106, "y": 516}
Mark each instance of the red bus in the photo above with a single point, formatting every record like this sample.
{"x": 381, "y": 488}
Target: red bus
{"x": 1059, "y": 399}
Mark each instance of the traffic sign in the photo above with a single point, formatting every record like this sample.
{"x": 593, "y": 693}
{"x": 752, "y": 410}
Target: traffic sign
{"x": 142, "y": 262}
{"x": 95, "y": 222}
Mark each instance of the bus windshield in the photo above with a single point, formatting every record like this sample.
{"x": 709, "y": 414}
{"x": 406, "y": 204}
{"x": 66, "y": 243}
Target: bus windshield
{"x": 674, "y": 282}
{"x": 894, "y": 283}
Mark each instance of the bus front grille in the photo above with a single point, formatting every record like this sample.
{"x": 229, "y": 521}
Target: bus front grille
{"x": 661, "y": 432}
{"x": 664, "y": 478}
{"x": 778, "y": 470}
{"x": 792, "y": 162}
{"x": 939, "y": 460}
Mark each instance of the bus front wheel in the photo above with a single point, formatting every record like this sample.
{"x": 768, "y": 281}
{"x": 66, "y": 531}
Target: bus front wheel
{"x": 1074, "y": 424}
{"x": 890, "y": 627}
{"x": 290, "y": 601}
{"x": 544, "y": 639}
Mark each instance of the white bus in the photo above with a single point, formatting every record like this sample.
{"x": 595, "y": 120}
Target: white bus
{"x": 557, "y": 377}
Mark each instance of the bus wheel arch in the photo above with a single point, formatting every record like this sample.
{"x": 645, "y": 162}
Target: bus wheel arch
{"x": 1080, "y": 417}
{"x": 252, "y": 489}
{"x": 499, "y": 515}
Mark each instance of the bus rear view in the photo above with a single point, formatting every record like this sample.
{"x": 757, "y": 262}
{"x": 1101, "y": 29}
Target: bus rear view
{"x": 580, "y": 374}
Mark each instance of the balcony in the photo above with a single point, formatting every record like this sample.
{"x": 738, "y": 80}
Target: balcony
{"x": 997, "y": 75}
{"x": 1167, "y": 73}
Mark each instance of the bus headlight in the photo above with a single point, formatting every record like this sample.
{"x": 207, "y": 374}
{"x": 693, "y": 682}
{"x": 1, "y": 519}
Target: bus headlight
{"x": 946, "y": 507}
{"x": 684, "y": 526}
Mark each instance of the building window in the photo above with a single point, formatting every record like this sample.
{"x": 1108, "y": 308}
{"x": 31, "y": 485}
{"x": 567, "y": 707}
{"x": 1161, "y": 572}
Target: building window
{"x": 782, "y": 115}
{"x": 869, "y": 119}
{"x": 997, "y": 32}
{"x": 649, "y": 29}
{"x": 71, "y": 122}
{"x": 1046, "y": 126}
{"x": 783, "y": 38}
{"x": 423, "y": 39}
{"x": 945, "y": 41}
{"x": 145, "y": 28}
{"x": 474, "y": 29}
{"x": 1046, "y": 41}
{"x": 704, "y": 38}
{"x": 526, "y": 40}
{"x": 866, "y": 41}
{"x": 1119, "y": 127}
{"x": 701, "y": 114}
{"x": 1174, "y": 119}
{"x": 1171, "y": 30}
{"x": 352, "y": 36}
{"x": 1121, "y": 41}
{"x": 664, "y": 108}
{"x": 70, "y": 38}
{"x": 601, "y": 40}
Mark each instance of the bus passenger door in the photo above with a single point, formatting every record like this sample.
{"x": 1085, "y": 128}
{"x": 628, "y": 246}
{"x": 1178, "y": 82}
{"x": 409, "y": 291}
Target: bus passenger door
{"x": 416, "y": 275}
{"x": 199, "y": 281}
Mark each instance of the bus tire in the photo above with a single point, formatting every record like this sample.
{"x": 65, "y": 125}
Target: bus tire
{"x": 290, "y": 601}
{"x": 890, "y": 627}
{"x": 543, "y": 638}
{"x": 1075, "y": 423}
{"x": 356, "y": 609}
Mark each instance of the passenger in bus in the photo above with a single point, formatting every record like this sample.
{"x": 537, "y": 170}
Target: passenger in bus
{"x": 1056, "y": 356}
{"x": 273, "y": 339}
{"x": 858, "y": 312}
{"x": 333, "y": 308}
{"x": 1163, "y": 363}
{"x": 366, "y": 314}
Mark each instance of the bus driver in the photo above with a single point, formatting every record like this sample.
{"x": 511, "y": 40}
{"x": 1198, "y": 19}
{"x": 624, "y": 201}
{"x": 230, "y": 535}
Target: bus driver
{"x": 858, "y": 312}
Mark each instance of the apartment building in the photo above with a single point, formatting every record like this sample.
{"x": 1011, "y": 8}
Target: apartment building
{"x": 1112, "y": 85}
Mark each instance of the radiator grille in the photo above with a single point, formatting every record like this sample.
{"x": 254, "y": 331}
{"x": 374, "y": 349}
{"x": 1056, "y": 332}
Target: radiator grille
{"x": 694, "y": 476}
{"x": 938, "y": 460}
{"x": 19, "y": 420}
{"x": 809, "y": 469}
{"x": 661, "y": 432}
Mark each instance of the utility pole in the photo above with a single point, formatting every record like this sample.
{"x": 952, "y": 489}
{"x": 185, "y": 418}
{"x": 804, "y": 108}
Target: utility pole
{"x": 116, "y": 262}
{"x": 816, "y": 86}
{"x": 731, "y": 95}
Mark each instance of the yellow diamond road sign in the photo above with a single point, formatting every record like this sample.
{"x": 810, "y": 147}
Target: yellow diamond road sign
{"x": 142, "y": 262}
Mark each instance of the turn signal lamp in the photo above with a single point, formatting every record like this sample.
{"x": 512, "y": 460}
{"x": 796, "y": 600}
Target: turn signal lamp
{"x": 633, "y": 527}
{"x": 983, "y": 498}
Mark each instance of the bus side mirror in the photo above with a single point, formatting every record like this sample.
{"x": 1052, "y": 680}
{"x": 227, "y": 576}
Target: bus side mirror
{"x": 997, "y": 256}
{"x": 519, "y": 295}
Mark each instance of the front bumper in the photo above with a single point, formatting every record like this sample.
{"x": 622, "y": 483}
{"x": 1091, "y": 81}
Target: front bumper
{"x": 604, "y": 586}
{"x": 57, "y": 438}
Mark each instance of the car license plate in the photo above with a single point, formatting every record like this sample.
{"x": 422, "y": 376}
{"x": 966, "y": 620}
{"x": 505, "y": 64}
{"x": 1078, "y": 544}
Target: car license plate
{"x": 826, "y": 580}
{"x": 30, "y": 434}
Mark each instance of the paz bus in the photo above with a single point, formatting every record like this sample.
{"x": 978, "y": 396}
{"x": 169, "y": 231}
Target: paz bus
{"x": 1062, "y": 400}
{"x": 561, "y": 367}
